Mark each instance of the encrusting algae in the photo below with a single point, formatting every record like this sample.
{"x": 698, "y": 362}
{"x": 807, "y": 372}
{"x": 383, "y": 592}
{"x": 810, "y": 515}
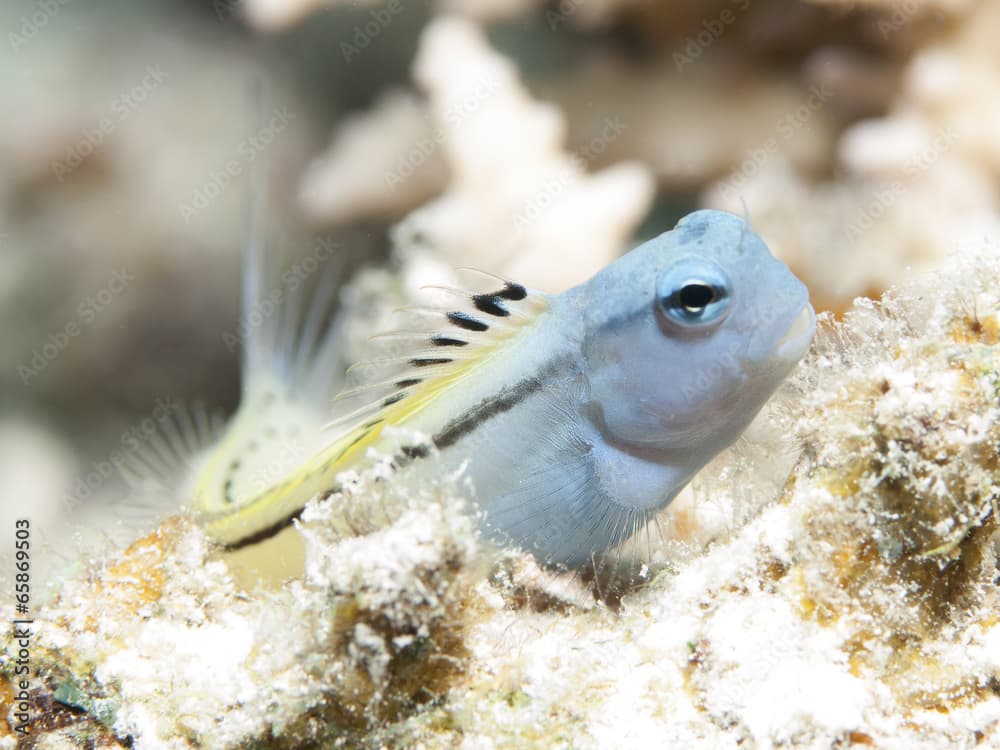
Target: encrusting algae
{"x": 373, "y": 630}
{"x": 858, "y": 608}
{"x": 904, "y": 489}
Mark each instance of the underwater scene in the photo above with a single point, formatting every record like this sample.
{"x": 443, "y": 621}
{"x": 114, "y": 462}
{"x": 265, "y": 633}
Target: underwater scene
{"x": 499, "y": 374}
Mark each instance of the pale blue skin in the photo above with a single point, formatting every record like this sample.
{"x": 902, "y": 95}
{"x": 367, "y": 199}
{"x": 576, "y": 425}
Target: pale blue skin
{"x": 628, "y": 405}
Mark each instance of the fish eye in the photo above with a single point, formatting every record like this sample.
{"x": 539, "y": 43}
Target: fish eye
{"x": 693, "y": 293}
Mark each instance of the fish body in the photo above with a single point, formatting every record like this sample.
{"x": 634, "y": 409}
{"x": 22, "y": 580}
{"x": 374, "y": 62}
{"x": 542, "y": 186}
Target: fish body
{"x": 574, "y": 417}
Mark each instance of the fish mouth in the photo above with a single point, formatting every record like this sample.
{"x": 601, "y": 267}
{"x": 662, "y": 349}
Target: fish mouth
{"x": 794, "y": 344}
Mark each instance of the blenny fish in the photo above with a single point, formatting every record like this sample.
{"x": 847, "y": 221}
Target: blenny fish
{"x": 574, "y": 417}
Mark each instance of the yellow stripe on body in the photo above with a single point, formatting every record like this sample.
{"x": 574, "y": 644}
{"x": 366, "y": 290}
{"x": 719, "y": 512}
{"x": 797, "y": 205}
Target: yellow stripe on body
{"x": 318, "y": 474}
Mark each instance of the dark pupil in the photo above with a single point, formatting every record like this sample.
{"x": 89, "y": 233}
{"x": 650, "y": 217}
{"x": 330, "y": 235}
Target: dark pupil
{"x": 696, "y": 296}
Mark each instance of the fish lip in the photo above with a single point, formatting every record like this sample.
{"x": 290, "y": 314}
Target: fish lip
{"x": 787, "y": 350}
{"x": 793, "y": 345}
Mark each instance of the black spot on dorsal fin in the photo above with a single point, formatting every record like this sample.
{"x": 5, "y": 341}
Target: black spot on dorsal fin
{"x": 513, "y": 292}
{"x": 462, "y": 320}
{"x": 439, "y": 340}
{"x": 436, "y": 370}
{"x": 490, "y": 304}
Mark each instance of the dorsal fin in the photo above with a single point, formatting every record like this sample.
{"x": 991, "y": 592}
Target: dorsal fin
{"x": 421, "y": 365}
{"x": 422, "y": 362}
{"x": 428, "y": 362}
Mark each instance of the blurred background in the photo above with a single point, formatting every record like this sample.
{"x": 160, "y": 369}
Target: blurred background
{"x": 534, "y": 138}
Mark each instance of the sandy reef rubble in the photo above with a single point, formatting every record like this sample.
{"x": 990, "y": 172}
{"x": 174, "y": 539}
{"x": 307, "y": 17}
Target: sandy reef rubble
{"x": 856, "y": 607}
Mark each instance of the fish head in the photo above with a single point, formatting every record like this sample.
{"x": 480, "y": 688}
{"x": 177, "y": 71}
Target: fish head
{"x": 689, "y": 334}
